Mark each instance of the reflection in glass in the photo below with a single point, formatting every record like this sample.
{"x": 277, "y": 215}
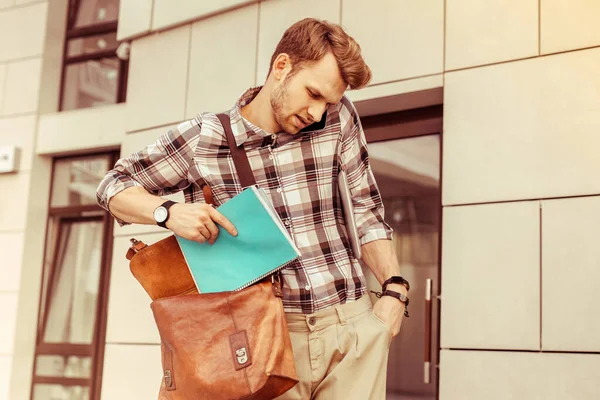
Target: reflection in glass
{"x": 76, "y": 179}
{"x": 72, "y": 313}
{"x": 408, "y": 175}
{"x": 92, "y": 44}
{"x": 91, "y": 83}
{"x": 60, "y": 392}
{"x": 63, "y": 366}
{"x": 90, "y": 12}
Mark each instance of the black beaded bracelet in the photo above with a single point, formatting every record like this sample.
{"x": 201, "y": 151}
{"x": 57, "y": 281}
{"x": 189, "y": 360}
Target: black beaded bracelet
{"x": 396, "y": 279}
{"x": 399, "y": 296}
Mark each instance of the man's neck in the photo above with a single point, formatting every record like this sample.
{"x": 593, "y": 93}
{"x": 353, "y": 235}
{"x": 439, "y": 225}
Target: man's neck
{"x": 258, "y": 112}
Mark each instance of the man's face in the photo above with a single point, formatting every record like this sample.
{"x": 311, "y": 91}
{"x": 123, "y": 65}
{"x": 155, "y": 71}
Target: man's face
{"x": 301, "y": 99}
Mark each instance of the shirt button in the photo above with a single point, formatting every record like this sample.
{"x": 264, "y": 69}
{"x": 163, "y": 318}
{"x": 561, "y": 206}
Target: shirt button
{"x": 287, "y": 222}
{"x": 273, "y": 136}
{"x": 271, "y": 157}
{"x": 307, "y": 287}
{"x": 279, "y": 190}
{"x": 311, "y": 320}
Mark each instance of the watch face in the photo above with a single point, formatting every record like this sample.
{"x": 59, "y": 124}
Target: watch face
{"x": 160, "y": 214}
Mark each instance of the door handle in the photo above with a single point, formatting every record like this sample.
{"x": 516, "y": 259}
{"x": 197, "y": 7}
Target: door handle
{"x": 428, "y": 314}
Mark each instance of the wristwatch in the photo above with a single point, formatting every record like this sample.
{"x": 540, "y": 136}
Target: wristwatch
{"x": 161, "y": 213}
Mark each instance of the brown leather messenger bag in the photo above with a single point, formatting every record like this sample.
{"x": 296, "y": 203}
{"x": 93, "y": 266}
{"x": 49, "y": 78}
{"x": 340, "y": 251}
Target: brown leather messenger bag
{"x": 217, "y": 346}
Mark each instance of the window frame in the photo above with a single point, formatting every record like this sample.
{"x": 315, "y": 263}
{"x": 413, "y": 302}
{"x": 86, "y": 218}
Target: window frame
{"x": 95, "y": 350}
{"x": 71, "y": 33}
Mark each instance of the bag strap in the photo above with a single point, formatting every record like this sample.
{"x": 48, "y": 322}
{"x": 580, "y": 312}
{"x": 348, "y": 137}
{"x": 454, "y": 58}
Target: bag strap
{"x": 240, "y": 158}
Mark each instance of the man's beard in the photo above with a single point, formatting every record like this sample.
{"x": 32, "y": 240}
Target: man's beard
{"x": 278, "y": 98}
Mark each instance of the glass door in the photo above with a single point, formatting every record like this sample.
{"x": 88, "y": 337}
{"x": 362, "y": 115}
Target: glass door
{"x": 408, "y": 175}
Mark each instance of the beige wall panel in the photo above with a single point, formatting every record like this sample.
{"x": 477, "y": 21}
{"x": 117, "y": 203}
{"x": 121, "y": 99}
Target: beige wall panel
{"x": 19, "y": 131}
{"x": 131, "y": 372}
{"x": 172, "y": 12}
{"x": 568, "y": 25}
{"x": 13, "y": 210}
{"x": 215, "y": 85}
{"x": 522, "y": 130}
{"x": 6, "y": 4}
{"x": 491, "y": 277}
{"x": 88, "y": 128}
{"x": 485, "y": 32}
{"x": 26, "y": 1}
{"x": 5, "y": 368}
{"x": 130, "y": 319}
{"x": 11, "y": 253}
{"x": 134, "y": 18}
{"x": 3, "y": 70}
{"x": 22, "y": 31}
{"x": 478, "y": 375}
{"x": 8, "y": 318}
{"x": 278, "y": 15}
{"x": 570, "y": 274}
{"x": 158, "y": 79}
{"x": 394, "y": 88}
{"x": 400, "y": 39}
{"x": 22, "y": 87}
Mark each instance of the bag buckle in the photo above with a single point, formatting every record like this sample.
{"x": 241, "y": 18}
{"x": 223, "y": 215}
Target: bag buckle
{"x": 168, "y": 378}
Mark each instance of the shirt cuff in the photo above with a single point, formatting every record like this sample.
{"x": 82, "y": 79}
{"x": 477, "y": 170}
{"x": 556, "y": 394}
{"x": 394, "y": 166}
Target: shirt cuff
{"x": 113, "y": 191}
{"x": 376, "y": 234}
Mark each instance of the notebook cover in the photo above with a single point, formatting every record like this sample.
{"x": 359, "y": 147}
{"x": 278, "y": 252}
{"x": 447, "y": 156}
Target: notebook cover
{"x": 261, "y": 247}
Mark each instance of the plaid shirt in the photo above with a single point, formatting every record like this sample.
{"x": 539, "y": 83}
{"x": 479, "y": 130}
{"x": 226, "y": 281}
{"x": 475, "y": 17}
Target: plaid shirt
{"x": 298, "y": 172}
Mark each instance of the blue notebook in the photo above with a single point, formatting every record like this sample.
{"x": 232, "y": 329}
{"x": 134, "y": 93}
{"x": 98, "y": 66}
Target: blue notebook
{"x": 262, "y": 246}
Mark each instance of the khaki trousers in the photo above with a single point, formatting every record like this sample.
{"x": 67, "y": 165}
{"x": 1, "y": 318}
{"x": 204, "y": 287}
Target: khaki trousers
{"x": 340, "y": 353}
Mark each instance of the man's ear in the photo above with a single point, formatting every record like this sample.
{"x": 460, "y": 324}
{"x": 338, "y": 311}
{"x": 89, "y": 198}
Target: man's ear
{"x": 281, "y": 66}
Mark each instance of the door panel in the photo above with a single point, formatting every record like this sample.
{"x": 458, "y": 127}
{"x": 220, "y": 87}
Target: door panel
{"x": 407, "y": 173}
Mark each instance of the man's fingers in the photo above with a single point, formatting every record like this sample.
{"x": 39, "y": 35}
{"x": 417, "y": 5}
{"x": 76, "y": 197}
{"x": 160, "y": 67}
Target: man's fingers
{"x": 204, "y": 234}
{"x": 224, "y": 222}
{"x": 214, "y": 231}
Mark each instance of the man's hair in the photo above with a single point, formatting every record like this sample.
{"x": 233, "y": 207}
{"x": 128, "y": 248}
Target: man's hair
{"x": 310, "y": 39}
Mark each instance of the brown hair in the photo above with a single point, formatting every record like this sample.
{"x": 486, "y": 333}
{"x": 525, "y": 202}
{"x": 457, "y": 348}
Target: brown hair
{"x": 310, "y": 39}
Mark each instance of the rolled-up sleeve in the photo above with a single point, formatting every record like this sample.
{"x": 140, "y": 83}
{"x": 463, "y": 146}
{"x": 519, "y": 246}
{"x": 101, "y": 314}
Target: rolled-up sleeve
{"x": 162, "y": 168}
{"x": 366, "y": 199}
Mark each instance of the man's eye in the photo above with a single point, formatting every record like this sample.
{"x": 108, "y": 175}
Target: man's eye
{"x": 313, "y": 95}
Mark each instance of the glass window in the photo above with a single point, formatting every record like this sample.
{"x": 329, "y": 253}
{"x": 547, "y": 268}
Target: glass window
{"x": 92, "y": 44}
{"x": 60, "y": 392}
{"x": 72, "y": 315}
{"x": 74, "y": 289}
{"x": 93, "y": 75}
{"x": 63, "y": 366}
{"x": 75, "y": 180}
{"x": 91, "y": 83}
{"x": 90, "y": 12}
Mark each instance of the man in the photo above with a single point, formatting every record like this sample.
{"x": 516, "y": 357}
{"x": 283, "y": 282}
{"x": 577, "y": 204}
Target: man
{"x": 298, "y": 131}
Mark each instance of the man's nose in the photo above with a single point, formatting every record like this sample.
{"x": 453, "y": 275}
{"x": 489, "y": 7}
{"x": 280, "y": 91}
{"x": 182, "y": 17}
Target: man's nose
{"x": 316, "y": 112}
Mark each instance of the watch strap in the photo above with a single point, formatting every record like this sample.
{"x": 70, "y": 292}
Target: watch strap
{"x": 402, "y": 298}
{"x": 396, "y": 279}
{"x": 167, "y": 204}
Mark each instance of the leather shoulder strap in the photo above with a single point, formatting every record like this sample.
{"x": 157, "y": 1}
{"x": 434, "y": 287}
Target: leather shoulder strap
{"x": 240, "y": 159}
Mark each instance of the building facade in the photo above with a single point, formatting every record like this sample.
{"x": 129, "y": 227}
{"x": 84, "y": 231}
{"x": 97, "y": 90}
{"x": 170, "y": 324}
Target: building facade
{"x": 483, "y": 124}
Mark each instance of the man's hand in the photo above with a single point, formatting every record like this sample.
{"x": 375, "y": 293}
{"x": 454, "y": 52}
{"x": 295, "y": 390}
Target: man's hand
{"x": 198, "y": 222}
{"x": 391, "y": 310}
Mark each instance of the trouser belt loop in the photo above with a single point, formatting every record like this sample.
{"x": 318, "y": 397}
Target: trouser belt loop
{"x": 341, "y": 315}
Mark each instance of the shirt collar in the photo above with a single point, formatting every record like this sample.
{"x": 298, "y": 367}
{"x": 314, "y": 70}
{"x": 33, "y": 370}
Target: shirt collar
{"x": 242, "y": 129}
